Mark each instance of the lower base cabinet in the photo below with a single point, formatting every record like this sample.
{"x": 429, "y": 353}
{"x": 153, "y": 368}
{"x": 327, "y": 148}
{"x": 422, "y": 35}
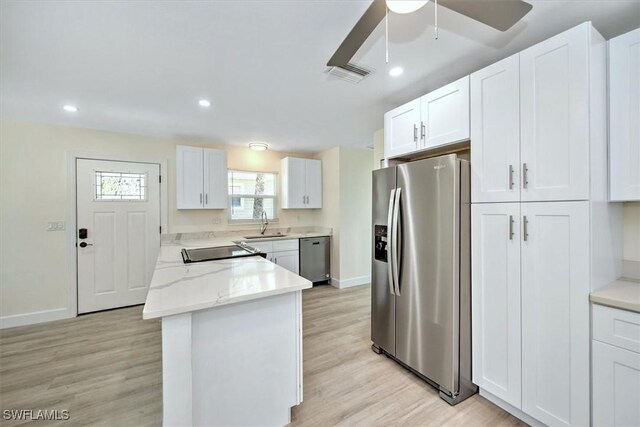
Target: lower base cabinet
{"x": 285, "y": 253}
{"x": 616, "y": 367}
{"x": 286, "y": 259}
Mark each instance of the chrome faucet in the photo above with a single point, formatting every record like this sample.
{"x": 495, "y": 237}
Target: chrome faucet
{"x": 264, "y": 222}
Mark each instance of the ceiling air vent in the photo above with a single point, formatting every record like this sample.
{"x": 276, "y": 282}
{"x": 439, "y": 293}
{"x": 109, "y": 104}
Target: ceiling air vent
{"x": 350, "y": 72}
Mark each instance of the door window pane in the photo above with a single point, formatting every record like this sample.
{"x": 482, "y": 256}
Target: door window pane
{"x": 121, "y": 186}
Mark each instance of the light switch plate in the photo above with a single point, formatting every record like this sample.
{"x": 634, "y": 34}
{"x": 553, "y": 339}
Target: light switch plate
{"x": 55, "y": 226}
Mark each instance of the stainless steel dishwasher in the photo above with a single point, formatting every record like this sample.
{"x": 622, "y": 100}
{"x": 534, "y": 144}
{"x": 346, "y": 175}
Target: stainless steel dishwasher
{"x": 315, "y": 259}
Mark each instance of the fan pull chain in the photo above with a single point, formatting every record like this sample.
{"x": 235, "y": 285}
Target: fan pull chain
{"x": 386, "y": 33}
{"x": 436, "y": 11}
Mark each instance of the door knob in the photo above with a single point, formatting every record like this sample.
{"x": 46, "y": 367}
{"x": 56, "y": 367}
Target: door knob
{"x": 85, "y": 244}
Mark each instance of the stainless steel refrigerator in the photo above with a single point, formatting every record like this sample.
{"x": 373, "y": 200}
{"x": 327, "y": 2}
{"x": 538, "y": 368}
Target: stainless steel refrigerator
{"x": 421, "y": 278}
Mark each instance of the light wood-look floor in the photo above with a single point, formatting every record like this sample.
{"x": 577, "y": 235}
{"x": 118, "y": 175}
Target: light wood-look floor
{"x": 105, "y": 368}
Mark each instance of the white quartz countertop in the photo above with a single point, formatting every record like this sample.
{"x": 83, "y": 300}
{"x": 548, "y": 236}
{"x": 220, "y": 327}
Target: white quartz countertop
{"x": 179, "y": 288}
{"x": 623, "y": 293}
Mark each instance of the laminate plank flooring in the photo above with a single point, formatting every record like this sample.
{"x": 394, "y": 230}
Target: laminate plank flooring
{"x": 106, "y": 370}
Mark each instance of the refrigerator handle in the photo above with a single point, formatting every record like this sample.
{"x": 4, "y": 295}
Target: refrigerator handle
{"x": 390, "y": 240}
{"x": 395, "y": 256}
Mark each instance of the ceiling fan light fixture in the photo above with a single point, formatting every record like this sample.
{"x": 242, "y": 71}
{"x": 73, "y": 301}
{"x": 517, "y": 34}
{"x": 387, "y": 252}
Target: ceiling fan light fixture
{"x": 405, "y": 6}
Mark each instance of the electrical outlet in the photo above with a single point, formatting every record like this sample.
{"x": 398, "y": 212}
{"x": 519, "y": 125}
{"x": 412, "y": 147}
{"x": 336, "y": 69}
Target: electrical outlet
{"x": 55, "y": 226}
{"x": 216, "y": 220}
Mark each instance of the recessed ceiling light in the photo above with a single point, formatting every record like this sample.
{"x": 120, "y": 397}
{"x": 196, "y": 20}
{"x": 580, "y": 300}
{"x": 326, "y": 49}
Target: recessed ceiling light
{"x": 204, "y": 103}
{"x": 70, "y": 108}
{"x": 258, "y": 146}
{"x": 396, "y": 71}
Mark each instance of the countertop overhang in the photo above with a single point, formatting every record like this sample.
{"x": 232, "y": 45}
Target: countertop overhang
{"x": 623, "y": 293}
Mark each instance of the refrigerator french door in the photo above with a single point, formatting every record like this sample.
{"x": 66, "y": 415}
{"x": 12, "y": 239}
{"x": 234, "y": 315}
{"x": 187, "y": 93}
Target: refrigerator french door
{"x": 421, "y": 271}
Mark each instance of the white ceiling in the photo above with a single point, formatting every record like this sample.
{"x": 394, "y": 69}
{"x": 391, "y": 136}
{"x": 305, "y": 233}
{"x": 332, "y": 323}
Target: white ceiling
{"x": 141, "y": 67}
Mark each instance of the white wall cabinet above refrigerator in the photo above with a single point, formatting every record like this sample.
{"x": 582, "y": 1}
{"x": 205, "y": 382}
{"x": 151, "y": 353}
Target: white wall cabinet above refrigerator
{"x": 438, "y": 118}
{"x": 301, "y": 183}
{"x": 201, "y": 178}
{"x": 624, "y": 114}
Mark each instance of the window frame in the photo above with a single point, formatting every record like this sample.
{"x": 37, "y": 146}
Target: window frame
{"x": 276, "y": 197}
{"x": 141, "y": 175}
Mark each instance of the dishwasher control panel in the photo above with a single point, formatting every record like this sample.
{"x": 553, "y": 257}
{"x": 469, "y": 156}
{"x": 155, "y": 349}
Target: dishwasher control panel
{"x": 380, "y": 242}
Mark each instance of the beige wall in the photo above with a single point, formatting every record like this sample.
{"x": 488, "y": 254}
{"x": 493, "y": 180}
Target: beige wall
{"x": 631, "y": 214}
{"x": 378, "y": 148}
{"x": 347, "y": 209}
{"x": 34, "y": 166}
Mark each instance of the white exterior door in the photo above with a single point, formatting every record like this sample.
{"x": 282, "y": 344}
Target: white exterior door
{"x": 555, "y": 312}
{"x": 495, "y": 270}
{"x": 118, "y": 204}
{"x": 401, "y": 128}
{"x": 313, "y": 183}
{"x": 624, "y": 110}
{"x": 495, "y": 132}
{"x": 554, "y": 117}
{"x": 444, "y": 114}
{"x": 189, "y": 177}
{"x": 616, "y": 386}
{"x": 215, "y": 179}
{"x": 287, "y": 259}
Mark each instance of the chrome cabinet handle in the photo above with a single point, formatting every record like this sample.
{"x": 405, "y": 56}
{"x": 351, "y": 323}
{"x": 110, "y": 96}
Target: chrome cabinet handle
{"x": 423, "y": 130}
{"x": 206, "y": 199}
{"x": 200, "y": 198}
{"x": 303, "y": 200}
{"x": 525, "y": 179}
{"x": 415, "y": 133}
{"x": 525, "y": 232}
{"x": 390, "y": 241}
{"x": 396, "y": 266}
{"x": 510, "y": 177}
{"x": 510, "y": 227}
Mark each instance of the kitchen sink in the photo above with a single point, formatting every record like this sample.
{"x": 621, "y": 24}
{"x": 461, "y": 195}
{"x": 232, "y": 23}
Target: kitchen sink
{"x": 265, "y": 236}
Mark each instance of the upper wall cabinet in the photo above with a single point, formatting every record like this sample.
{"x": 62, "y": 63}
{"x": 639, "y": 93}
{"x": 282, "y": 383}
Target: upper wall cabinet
{"x": 554, "y": 117}
{"x": 301, "y": 183}
{"x": 495, "y": 132}
{"x": 437, "y": 118}
{"x": 624, "y": 111}
{"x": 201, "y": 178}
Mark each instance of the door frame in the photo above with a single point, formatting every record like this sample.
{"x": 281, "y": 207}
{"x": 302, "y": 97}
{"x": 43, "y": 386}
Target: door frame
{"x": 72, "y": 211}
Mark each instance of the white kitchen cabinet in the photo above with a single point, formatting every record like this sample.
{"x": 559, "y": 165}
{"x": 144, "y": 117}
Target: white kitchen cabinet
{"x": 201, "y": 178}
{"x": 301, "y": 183}
{"x": 555, "y": 312}
{"x": 285, "y": 253}
{"x": 401, "y": 127}
{"x": 554, "y": 117}
{"x": 496, "y": 299}
{"x": 444, "y": 114}
{"x": 495, "y": 132}
{"x": 287, "y": 259}
{"x": 624, "y": 111}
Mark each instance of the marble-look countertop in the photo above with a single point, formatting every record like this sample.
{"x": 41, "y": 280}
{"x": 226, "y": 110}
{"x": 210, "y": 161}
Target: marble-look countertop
{"x": 623, "y": 293}
{"x": 180, "y": 288}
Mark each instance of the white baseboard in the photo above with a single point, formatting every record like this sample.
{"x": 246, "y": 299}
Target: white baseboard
{"x": 35, "y": 317}
{"x": 347, "y": 283}
{"x": 510, "y": 409}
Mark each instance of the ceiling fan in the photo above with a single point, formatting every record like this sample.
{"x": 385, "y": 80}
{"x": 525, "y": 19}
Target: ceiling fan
{"x": 499, "y": 14}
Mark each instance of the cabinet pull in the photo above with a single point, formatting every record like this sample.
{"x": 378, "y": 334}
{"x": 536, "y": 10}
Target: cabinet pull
{"x": 525, "y": 179}
{"x": 303, "y": 202}
{"x": 415, "y": 133}
{"x": 206, "y": 199}
{"x": 510, "y": 227}
{"x": 525, "y": 233}
{"x": 423, "y": 129}
{"x": 200, "y": 198}
{"x": 510, "y": 177}
{"x": 307, "y": 199}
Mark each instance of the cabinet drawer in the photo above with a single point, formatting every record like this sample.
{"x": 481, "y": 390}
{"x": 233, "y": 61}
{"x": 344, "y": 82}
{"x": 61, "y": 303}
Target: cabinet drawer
{"x": 617, "y": 327}
{"x": 285, "y": 245}
{"x": 265, "y": 247}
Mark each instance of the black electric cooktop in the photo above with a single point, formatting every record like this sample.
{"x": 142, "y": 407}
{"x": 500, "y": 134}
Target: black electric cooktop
{"x": 220, "y": 252}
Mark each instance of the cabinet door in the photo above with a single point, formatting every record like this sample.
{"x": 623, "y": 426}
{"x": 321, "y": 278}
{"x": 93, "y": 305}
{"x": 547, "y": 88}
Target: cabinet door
{"x": 616, "y": 386}
{"x": 495, "y": 132}
{"x": 624, "y": 110}
{"x": 313, "y": 183}
{"x": 293, "y": 183}
{"x": 288, "y": 260}
{"x": 401, "y": 128}
{"x": 554, "y": 117}
{"x": 444, "y": 114}
{"x": 215, "y": 179}
{"x": 495, "y": 271}
{"x": 189, "y": 177}
{"x": 555, "y": 312}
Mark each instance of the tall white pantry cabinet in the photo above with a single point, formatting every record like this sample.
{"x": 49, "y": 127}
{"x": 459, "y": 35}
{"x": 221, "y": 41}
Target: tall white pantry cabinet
{"x": 543, "y": 234}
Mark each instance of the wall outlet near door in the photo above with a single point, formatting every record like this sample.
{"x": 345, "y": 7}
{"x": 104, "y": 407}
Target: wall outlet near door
{"x": 55, "y": 226}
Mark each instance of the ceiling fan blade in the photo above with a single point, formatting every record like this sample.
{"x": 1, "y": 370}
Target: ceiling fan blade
{"x": 358, "y": 34}
{"x": 499, "y": 14}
